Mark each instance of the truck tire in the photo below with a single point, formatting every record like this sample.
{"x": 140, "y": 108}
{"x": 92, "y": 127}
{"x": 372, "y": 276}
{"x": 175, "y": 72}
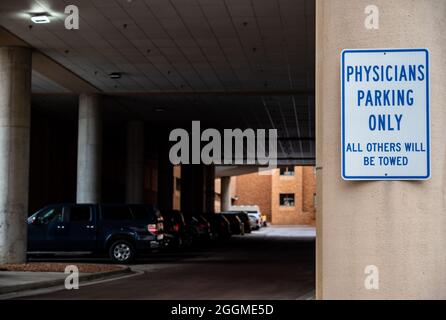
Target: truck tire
{"x": 121, "y": 251}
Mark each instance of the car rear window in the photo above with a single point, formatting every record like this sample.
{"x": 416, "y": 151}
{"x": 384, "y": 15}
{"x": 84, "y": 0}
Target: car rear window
{"x": 142, "y": 212}
{"x": 80, "y": 214}
{"x": 174, "y": 216}
{"x": 116, "y": 213}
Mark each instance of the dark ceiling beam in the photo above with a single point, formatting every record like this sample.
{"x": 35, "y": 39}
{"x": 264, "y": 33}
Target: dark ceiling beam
{"x": 192, "y": 93}
{"x": 215, "y": 93}
{"x": 296, "y": 138}
{"x": 254, "y": 93}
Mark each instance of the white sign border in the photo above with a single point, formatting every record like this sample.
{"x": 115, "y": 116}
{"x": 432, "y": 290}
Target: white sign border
{"x": 428, "y": 162}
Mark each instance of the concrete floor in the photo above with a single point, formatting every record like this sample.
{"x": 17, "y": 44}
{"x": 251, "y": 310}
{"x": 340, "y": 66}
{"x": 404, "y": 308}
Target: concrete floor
{"x": 273, "y": 263}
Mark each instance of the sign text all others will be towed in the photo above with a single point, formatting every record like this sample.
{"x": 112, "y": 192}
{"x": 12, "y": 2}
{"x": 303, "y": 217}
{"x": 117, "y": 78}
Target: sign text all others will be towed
{"x": 385, "y": 114}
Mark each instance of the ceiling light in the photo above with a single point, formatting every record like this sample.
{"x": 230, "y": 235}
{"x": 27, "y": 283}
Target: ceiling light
{"x": 40, "y": 18}
{"x": 159, "y": 109}
{"x": 115, "y": 75}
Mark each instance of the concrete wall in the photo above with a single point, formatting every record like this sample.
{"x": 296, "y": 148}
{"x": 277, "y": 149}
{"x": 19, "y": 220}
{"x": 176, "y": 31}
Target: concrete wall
{"x": 400, "y": 227}
{"x": 192, "y": 188}
{"x": 309, "y": 191}
{"x": 53, "y": 160}
{"x": 151, "y": 181}
{"x": 135, "y": 162}
{"x": 217, "y": 190}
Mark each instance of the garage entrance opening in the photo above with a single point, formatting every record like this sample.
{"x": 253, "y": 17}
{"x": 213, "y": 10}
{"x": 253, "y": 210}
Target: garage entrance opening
{"x": 111, "y": 99}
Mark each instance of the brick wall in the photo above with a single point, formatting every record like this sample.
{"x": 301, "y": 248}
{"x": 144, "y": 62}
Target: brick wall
{"x": 284, "y": 185}
{"x": 177, "y": 187}
{"x": 303, "y": 186}
{"x": 254, "y": 189}
{"x": 265, "y": 190}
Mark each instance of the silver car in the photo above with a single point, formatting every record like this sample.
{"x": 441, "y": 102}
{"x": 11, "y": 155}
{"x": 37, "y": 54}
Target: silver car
{"x": 255, "y": 221}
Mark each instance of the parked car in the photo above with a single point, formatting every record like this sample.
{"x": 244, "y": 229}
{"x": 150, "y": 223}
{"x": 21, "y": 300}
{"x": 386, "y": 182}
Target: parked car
{"x": 251, "y": 210}
{"x": 244, "y": 218}
{"x": 236, "y": 225}
{"x": 121, "y": 230}
{"x": 176, "y": 232}
{"x": 198, "y": 227}
{"x": 254, "y": 221}
{"x": 220, "y": 226}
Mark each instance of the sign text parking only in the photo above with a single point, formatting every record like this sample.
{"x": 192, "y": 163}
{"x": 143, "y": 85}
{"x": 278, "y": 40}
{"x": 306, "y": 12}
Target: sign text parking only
{"x": 385, "y": 114}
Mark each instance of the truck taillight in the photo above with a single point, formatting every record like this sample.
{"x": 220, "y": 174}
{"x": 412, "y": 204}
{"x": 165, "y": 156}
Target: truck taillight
{"x": 152, "y": 228}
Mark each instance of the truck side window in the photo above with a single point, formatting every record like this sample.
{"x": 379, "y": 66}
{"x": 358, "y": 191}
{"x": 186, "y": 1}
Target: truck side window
{"x": 50, "y": 215}
{"x": 80, "y": 214}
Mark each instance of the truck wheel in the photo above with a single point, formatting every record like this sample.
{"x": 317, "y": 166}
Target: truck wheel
{"x": 121, "y": 251}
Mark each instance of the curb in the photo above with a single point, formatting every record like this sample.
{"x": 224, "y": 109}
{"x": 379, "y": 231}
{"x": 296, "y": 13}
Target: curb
{"x": 311, "y": 295}
{"x": 59, "y": 282}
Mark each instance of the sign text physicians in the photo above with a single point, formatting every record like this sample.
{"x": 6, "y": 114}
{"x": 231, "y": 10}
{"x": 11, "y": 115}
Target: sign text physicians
{"x": 385, "y": 114}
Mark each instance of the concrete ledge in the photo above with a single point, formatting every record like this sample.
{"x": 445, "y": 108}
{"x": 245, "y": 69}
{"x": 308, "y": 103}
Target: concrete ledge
{"x": 61, "y": 281}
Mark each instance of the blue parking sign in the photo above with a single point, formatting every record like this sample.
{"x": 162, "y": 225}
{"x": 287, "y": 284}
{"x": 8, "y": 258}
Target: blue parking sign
{"x": 385, "y": 114}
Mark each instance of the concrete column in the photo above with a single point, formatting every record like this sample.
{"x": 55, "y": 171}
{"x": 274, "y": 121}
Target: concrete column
{"x": 165, "y": 179}
{"x": 89, "y": 154}
{"x": 186, "y": 199}
{"x": 15, "y": 116}
{"x": 225, "y": 191}
{"x": 135, "y": 162}
{"x": 397, "y": 226}
{"x": 192, "y": 188}
{"x": 209, "y": 180}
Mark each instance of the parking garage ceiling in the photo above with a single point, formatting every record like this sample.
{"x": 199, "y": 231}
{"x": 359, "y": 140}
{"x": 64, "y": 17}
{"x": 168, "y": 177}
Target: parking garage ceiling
{"x": 241, "y": 63}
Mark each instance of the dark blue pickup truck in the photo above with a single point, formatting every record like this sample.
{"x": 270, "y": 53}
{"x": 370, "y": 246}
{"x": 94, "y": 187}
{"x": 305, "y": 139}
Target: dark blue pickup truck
{"x": 121, "y": 230}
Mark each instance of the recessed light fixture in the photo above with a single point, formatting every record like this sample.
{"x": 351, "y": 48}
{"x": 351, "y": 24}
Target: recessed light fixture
{"x": 115, "y": 75}
{"x": 40, "y": 18}
{"x": 160, "y": 109}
